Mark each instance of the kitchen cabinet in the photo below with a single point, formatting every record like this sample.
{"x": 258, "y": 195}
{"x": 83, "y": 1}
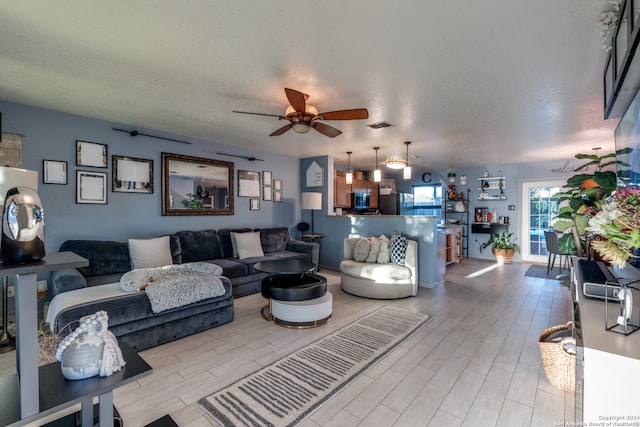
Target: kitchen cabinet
{"x": 373, "y": 191}
{"x": 454, "y": 244}
{"x": 342, "y": 191}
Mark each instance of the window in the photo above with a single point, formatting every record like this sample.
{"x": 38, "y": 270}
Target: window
{"x": 427, "y": 199}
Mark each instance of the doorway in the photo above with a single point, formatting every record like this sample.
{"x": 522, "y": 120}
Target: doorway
{"x": 538, "y": 213}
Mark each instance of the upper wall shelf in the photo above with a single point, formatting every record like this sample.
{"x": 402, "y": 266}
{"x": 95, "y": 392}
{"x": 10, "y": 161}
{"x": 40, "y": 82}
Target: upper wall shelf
{"x": 490, "y": 183}
{"x": 622, "y": 68}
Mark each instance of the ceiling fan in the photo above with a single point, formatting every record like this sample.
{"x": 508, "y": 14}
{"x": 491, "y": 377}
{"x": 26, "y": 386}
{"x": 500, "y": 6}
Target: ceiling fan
{"x": 303, "y": 117}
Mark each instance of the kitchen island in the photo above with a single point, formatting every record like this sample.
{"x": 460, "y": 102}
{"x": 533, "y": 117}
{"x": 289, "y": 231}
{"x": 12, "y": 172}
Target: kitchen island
{"x": 423, "y": 229}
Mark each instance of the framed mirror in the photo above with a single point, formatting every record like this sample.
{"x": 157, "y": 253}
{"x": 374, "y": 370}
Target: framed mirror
{"x": 196, "y": 186}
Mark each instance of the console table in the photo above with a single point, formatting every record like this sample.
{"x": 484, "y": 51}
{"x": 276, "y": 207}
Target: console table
{"x": 38, "y": 391}
{"x": 57, "y": 393}
{"x": 607, "y": 364}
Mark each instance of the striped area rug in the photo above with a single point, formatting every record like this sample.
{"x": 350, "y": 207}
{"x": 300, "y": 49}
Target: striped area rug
{"x": 288, "y": 390}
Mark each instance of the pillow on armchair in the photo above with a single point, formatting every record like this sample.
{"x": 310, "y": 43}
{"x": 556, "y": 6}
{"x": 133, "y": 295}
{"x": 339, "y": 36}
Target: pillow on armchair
{"x": 398, "y": 248}
{"x": 374, "y": 251}
{"x": 361, "y": 250}
{"x": 383, "y": 256}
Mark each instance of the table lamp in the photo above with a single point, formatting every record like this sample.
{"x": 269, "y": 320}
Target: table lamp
{"x": 313, "y": 202}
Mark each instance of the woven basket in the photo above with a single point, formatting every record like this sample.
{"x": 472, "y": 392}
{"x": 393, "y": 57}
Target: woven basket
{"x": 559, "y": 366}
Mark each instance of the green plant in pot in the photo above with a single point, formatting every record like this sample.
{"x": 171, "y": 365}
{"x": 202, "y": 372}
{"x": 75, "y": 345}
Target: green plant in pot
{"x": 503, "y": 246}
{"x": 193, "y": 202}
{"x": 582, "y": 197}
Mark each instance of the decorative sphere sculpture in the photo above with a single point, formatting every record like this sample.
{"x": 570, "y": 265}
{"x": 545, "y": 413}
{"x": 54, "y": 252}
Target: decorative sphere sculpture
{"x": 90, "y": 349}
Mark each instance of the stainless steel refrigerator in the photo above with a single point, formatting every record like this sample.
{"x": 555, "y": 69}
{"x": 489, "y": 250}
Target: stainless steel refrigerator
{"x": 396, "y": 204}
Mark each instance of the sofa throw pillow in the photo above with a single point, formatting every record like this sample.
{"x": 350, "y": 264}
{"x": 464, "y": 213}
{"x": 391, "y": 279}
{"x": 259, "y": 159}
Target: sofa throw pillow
{"x": 361, "y": 250}
{"x": 248, "y": 245}
{"x": 398, "y": 248}
{"x": 374, "y": 250}
{"x": 148, "y": 253}
{"x": 383, "y": 255}
{"x": 234, "y": 246}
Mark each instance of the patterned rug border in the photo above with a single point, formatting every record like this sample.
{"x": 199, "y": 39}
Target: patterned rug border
{"x": 209, "y": 409}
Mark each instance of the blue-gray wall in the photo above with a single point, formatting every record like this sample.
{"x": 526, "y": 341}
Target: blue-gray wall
{"x": 52, "y": 135}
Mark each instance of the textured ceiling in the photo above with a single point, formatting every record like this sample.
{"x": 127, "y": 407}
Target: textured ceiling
{"x": 469, "y": 83}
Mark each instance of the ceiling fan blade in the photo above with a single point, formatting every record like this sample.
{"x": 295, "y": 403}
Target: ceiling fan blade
{"x": 327, "y": 130}
{"x": 260, "y": 114}
{"x": 282, "y": 130}
{"x": 296, "y": 99}
{"x": 354, "y": 114}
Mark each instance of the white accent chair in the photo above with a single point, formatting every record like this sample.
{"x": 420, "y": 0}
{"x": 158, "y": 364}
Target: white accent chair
{"x": 379, "y": 281}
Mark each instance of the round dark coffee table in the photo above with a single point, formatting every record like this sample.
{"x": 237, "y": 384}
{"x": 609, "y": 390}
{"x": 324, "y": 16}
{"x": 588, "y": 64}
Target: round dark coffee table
{"x": 297, "y": 298}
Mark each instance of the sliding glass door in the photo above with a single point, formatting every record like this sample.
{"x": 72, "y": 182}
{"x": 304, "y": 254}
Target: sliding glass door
{"x": 538, "y": 213}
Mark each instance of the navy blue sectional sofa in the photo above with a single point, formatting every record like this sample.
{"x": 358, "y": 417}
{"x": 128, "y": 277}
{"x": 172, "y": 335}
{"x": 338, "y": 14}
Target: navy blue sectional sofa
{"x": 130, "y": 316}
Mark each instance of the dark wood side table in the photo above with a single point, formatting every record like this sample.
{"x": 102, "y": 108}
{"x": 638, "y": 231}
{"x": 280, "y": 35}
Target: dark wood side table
{"x": 26, "y": 306}
{"x": 312, "y": 237}
{"x": 57, "y": 392}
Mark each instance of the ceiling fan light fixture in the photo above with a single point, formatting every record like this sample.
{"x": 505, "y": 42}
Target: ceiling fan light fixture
{"x": 300, "y": 127}
{"x": 308, "y": 109}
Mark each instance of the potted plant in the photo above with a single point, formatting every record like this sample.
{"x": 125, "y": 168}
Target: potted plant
{"x": 193, "y": 201}
{"x": 583, "y": 195}
{"x": 503, "y": 246}
{"x": 452, "y": 176}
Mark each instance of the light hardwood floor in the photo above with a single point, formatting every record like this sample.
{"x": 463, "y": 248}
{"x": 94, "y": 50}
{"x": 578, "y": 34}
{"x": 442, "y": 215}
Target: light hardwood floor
{"x": 475, "y": 363}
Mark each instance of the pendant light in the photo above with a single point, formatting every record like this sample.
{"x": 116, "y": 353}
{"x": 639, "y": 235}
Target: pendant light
{"x": 407, "y": 169}
{"x": 377, "y": 173}
{"x": 349, "y": 177}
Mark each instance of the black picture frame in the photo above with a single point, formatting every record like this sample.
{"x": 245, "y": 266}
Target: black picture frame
{"x": 91, "y": 187}
{"x": 54, "y": 172}
{"x": 92, "y": 154}
{"x": 248, "y": 184}
{"x": 131, "y": 175}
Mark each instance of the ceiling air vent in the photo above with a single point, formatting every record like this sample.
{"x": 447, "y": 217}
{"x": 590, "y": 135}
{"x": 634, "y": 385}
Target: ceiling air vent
{"x": 380, "y": 125}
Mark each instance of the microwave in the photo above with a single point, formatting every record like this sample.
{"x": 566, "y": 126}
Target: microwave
{"x": 360, "y": 200}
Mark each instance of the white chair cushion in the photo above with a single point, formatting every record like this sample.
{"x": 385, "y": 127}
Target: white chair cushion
{"x": 383, "y": 256}
{"x": 398, "y": 248}
{"x": 375, "y": 249}
{"x": 361, "y": 251}
{"x": 386, "y": 273}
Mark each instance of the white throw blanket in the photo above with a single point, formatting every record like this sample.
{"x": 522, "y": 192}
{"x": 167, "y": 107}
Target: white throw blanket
{"x": 175, "y": 285}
